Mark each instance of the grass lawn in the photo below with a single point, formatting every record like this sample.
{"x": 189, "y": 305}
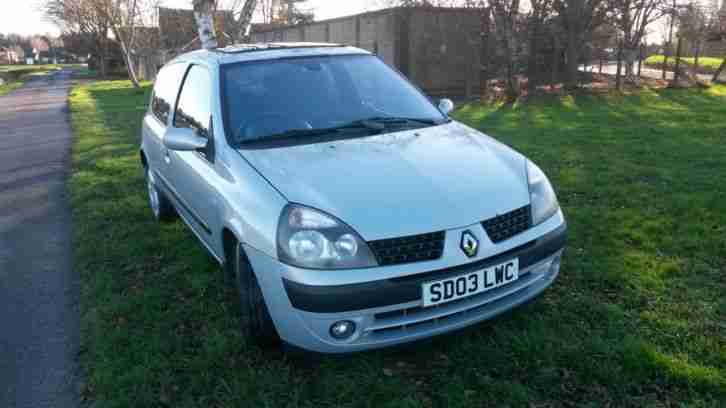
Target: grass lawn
{"x": 16, "y": 75}
{"x": 10, "y": 86}
{"x": 706, "y": 64}
{"x": 36, "y": 68}
{"x": 637, "y": 318}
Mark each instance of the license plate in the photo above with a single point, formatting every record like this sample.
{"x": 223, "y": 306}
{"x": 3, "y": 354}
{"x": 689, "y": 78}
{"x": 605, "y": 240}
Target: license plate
{"x": 470, "y": 284}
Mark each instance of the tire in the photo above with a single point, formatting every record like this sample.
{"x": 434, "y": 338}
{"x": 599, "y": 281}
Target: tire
{"x": 255, "y": 322}
{"x": 161, "y": 207}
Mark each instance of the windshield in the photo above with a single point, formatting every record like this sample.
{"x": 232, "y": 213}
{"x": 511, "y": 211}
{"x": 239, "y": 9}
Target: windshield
{"x": 295, "y": 98}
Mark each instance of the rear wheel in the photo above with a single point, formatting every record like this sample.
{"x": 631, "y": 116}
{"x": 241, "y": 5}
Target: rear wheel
{"x": 161, "y": 207}
{"x": 255, "y": 321}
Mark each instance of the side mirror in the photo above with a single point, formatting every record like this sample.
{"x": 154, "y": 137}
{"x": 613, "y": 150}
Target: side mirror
{"x": 446, "y": 106}
{"x": 183, "y": 140}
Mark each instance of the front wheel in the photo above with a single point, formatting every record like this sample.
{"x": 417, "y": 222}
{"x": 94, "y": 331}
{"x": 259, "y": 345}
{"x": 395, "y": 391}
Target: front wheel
{"x": 161, "y": 207}
{"x": 255, "y": 321}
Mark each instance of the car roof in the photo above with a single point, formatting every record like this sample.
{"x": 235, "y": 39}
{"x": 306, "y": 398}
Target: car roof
{"x": 266, "y": 51}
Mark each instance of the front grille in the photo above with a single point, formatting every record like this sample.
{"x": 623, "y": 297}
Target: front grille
{"x": 505, "y": 226}
{"x": 417, "y": 317}
{"x": 416, "y": 310}
{"x": 413, "y": 248}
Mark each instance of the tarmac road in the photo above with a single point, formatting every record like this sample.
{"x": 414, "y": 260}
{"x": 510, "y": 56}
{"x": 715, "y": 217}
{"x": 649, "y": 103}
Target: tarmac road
{"x": 39, "y": 314}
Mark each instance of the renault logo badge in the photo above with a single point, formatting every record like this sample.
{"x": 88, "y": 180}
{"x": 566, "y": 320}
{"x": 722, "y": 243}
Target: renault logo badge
{"x": 469, "y": 244}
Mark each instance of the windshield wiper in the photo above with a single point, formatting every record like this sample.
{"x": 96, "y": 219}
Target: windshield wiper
{"x": 375, "y": 124}
{"x": 297, "y": 133}
{"x": 385, "y": 120}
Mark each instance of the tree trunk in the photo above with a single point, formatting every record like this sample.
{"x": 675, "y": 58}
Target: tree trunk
{"x": 572, "y": 60}
{"x": 677, "y": 70}
{"x": 245, "y": 20}
{"x": 101, "y": 47}
{"x": 618, "y": 79}
{"x": 130, "y": 68}
{"x": 696, "y": 56}
{"x": 484, "y": 61}
{"x": 532, "y": 69}
{"x": 640, "y": 61}
{"x": 719, "y": 71}
{"x": 629, "y": 55}
{"x": 103, "y": 51}
{"x": 556, "y": 61}
{"x": 204, "y": 15}
{"x": 670, "y": 41}
{"x": 102, "y": 65}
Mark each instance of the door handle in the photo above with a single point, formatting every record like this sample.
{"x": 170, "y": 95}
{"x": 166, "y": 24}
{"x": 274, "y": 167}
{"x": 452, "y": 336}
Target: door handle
{"x": 167, "y": 158}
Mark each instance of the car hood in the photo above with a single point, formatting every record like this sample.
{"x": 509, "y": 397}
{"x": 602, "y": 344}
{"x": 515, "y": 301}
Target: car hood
{"x": 402, "y": 183}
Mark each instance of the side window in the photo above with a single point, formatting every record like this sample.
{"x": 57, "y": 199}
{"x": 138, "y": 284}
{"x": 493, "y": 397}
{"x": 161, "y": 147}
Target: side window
{"x": 193, "y": 110}
{"x": 165, "y": 90}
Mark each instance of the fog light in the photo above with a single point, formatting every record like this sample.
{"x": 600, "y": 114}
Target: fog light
{"x": 342, "y": 330}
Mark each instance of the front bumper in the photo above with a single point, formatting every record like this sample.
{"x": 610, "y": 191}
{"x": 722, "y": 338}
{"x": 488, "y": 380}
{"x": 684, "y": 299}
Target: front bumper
{"x": 389, "y": 311}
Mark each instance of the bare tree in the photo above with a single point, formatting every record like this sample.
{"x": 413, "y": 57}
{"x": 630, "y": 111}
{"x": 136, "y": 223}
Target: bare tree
{"x": 268, "y": 10}
{"x": 124, "y": 17}
{"x": 632, "y": 18}
{"x": 719, "y": 33}
{"x": 695, "y": 25}
{"x": 204, "y": 15}
{"x": 81, "y": 20}
{"x": 505, "y": 16}
{"x": 540, "y": 13}
{"x": 579, "y": 18}
{"x": 243, "y": 11}
{"x": 271, "y": 11}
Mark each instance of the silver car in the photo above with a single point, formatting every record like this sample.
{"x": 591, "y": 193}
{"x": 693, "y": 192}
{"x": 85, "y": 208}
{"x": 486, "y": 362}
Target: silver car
{"x": 352, "y": 212}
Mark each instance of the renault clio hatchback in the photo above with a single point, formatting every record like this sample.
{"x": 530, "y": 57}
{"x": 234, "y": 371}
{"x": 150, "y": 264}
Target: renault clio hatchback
{"x": 352, "y": 212}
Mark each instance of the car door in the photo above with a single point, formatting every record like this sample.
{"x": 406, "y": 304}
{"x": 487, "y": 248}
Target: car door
{"x": 192, "y": 173}
{"x": 166, "y": 89}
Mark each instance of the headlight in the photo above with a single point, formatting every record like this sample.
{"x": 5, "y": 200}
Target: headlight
{"x": 309, "y": 238}
{"x": 542, "y": 196}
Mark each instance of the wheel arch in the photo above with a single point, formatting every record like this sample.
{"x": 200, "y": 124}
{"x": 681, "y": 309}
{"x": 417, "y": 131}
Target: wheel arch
{"x": 144, "y": 160}
{"x": 232, "y": 233}
{"x": 229, "y": 239}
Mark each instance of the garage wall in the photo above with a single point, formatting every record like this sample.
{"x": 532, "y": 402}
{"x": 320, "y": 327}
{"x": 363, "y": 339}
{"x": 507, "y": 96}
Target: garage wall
{"x": 445, "y": 50}
{"x": 438, "y": 49}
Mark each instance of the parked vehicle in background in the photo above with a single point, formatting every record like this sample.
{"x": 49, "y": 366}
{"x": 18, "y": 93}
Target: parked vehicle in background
{"x": 352, "y": 212}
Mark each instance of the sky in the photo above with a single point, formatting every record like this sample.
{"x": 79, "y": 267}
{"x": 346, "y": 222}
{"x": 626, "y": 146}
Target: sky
{"x": 24, "y": 17}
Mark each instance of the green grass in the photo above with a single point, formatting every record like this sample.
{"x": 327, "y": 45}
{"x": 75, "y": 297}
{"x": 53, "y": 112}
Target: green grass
{"x": 706, "y": 64}
{"x": 16, "y": 75}
{"x": 37, "y": 68}
{"x": 637, "y": 318}
{"x": 10, "y": 86}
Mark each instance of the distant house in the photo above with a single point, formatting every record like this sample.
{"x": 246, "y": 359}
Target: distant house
{"x": 8, "y": 56}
